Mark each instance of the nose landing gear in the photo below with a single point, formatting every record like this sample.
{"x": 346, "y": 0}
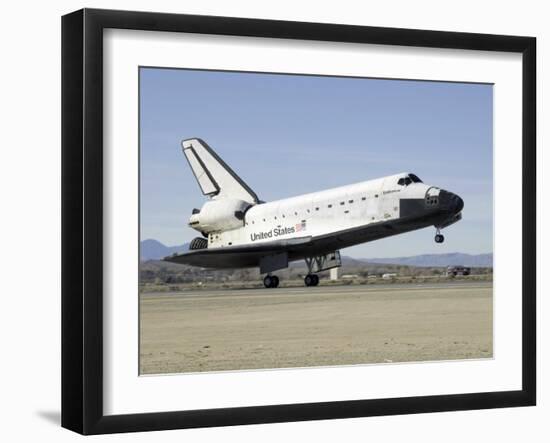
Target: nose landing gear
{"x": 439, "y": 238}
{"x": 271, "y": 281}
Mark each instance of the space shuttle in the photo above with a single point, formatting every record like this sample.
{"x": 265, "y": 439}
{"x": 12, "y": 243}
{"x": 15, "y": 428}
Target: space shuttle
{"x": 238, "y": 230}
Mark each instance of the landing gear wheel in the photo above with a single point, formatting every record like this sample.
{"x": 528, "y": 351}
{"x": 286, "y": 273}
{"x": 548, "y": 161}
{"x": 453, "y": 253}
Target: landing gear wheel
{"x": 311, "y": 280}
{"x": 271, "y": 281}
{"x": 439, "y": 238}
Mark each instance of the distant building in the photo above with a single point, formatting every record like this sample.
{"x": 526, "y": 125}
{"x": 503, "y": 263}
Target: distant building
{"x": 388, "y": 276}
{"x": 458, "y": 270}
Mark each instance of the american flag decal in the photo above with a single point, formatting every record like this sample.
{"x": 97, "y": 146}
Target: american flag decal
{"x": 301, "y": 226}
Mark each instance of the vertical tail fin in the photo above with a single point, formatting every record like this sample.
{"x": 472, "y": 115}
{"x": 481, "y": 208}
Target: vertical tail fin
{"x": 216, "y": 179}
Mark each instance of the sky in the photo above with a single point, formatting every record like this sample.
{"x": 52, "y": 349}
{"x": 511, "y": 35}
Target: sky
{"x": 287, "y": 135}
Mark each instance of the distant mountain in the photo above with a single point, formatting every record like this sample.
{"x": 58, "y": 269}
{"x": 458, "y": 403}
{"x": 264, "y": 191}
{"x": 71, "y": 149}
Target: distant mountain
{"x": 454, "y": 258}
{"x": 154, "y": 250}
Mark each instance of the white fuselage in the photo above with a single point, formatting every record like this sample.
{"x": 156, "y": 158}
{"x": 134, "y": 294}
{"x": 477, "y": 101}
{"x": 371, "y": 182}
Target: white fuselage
{"x": 242, "y": 231}
{"x": 323, "y": 212}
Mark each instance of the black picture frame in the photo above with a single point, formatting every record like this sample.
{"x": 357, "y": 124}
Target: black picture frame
{"x": 82, "y": 218}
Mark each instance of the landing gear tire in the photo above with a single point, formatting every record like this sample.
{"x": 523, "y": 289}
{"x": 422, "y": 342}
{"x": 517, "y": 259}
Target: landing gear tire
{"x": 439, "y": 238}
{"x": 311, "y": 280}
{"x": 271, "y": 281}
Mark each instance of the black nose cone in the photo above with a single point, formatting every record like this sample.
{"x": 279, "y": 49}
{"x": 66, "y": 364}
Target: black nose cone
{"x": 450, "y": 202}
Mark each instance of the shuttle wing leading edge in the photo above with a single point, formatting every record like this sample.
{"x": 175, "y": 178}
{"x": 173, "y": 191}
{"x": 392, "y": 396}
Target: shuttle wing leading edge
{"x": 239, "y": 255}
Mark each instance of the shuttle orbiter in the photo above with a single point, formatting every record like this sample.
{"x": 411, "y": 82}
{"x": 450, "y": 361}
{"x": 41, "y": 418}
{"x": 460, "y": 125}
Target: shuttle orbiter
{"x": 239, "y": 230}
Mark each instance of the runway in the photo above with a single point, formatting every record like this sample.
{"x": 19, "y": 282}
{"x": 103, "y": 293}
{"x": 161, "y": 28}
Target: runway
{"x": 217, "y": 330}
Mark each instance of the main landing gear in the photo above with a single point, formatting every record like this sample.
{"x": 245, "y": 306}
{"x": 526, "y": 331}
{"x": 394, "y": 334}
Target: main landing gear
{"x": 311, "y": 280}
{"x": 316, "y": 263}
{"x": 271, "y": 281}
{"x": 439, "y": 237}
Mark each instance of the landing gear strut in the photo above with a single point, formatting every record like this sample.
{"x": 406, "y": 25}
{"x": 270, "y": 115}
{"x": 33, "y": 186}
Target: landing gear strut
{"x": 311, "y": 280}
{"x": 271, "y": 281}
{"x": 438, "y": 236}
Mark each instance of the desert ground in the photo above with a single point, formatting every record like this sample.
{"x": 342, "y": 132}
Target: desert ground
{"x": 219, "y": 330}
